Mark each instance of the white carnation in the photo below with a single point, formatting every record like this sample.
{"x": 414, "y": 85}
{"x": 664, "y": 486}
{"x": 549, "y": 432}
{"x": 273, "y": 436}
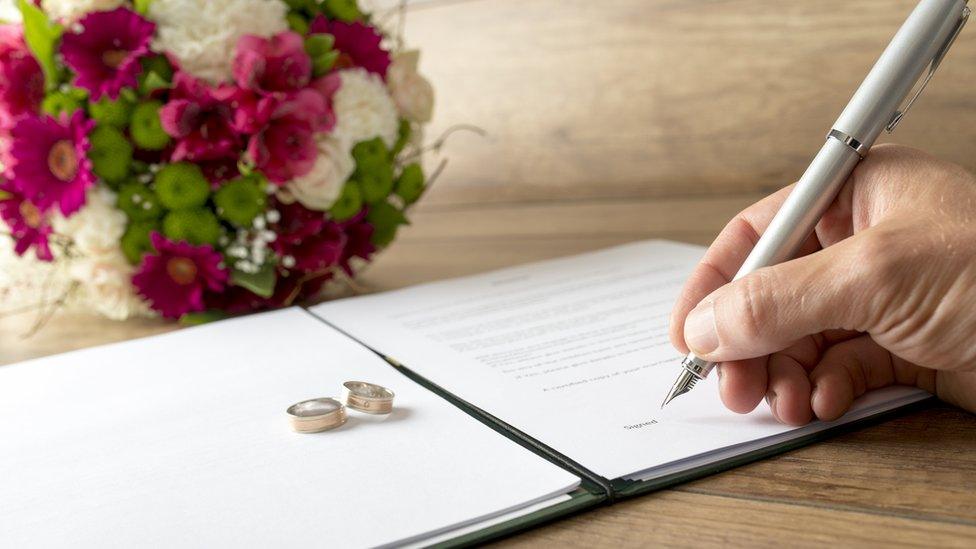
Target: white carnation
{"x": 69, "y": 11}
{"x": 203, "y": 34}
{"x": 9, "y": 11}
{"x": 364, "y": 109}
{"x": 412, "y": 93}
{"x": 97, "y": 227}
{"x": 319, "y": 189}
{"x": 101, "y": 270}
{"x": 106, "y": 286}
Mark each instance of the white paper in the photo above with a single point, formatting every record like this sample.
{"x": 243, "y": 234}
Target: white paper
{"x": 572, "y": 351}
{"x": 182, "y": 440}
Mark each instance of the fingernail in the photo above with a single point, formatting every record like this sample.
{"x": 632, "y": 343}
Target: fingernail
{"x": 700, "y": 332}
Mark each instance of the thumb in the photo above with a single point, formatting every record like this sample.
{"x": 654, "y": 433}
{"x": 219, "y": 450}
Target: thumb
{"x": 773, "y": 307}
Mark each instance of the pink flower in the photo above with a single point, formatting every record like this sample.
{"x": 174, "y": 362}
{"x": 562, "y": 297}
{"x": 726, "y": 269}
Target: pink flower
{"x": 201, "y": 120}
{"x": 358, "y": 44}
{"x": 312, "y": 243}
{"x": 29, "y": 227}
{"x": 21, "y": 79}
{"x": 105, "y": 54}
{"x": 174, "y": 279}
{"x": 49, "y": 161}
{"x": 285, "y": 147}
{"x": 269, "y": 65}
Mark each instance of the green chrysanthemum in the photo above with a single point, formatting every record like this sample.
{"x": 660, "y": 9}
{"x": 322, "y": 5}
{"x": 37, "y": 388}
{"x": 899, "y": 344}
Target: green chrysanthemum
{"x": 241, "y": 200}
{"x": 111, "y": 112}
{"x": 374, "y": 170}
{"x": 59, "y": 103}
{"x": 135, "y": 242}
{"x": 410, "y": 184}
{"x": 139, "y": 202}
{"x": 343, "y": 10}
{"x": 110, "y": 153}
{"x": 197, "y": 226}
{"x": 182, "y": 186}
{"x": 146, "y": 130}
{"x": 349, "y": 202}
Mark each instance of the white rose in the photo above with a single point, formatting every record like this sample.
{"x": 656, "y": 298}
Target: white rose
{"x": 319, "y": 189}
{"x": 412, "y": 93}
{"x": 364, "y": 109}
{"x": 69, "y": 11}
{"x": 203, "y": 34}
{"x": 106, "y": 286}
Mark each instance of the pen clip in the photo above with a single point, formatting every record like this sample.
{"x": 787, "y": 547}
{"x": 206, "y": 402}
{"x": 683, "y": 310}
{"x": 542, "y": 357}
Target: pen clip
{"x": 939, "y": 56}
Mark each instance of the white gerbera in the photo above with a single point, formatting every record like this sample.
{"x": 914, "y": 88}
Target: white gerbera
{"x": 319, "y": 189}
{"x": 364, "y": 109}
{"x": 69, "y": 11}
{"x": 203, "y": 34}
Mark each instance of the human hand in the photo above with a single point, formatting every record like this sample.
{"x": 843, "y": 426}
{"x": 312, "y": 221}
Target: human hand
{"x": 884, "y": 292}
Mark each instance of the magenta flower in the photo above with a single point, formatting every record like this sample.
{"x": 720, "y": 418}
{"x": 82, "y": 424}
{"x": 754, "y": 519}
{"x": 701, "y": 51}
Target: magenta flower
{"x": 174, "y": 278}
{"x": 29, "y": 226}
{"x": 269, "y": 65}
{"x": 358, "y": 44}
{"x": 49, "y": 161}
{"x": 201, "y": 120}
{"x": 285, "y": 146}
{"x": 359, "y": 241}
{"x": 312, "y": 243}
{"x": 105, "y": 54}
{"x": 21, "y": 79}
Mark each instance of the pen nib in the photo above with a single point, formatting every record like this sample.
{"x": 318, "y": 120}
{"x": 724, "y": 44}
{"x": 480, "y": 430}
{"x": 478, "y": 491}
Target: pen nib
{"x": 683, "y": 384}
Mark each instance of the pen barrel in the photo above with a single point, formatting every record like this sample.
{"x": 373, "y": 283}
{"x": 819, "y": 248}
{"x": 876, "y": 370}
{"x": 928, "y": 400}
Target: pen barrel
{"x": 805, "y": 205}
{"x": 896, "y": 72}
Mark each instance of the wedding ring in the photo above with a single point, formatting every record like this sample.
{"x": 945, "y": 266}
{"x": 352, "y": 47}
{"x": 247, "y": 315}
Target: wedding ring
{"x": 367, "y": 397}
{"x": 315, "y": 415}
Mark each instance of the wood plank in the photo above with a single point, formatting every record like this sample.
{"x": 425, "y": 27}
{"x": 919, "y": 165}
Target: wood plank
{"x": 661, "y": 98}
{"x": 672, "y": 518}
{"x": 920, "y": 466}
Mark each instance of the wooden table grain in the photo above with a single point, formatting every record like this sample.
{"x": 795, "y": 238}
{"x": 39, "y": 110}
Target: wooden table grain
{"x": 612, "y": 121}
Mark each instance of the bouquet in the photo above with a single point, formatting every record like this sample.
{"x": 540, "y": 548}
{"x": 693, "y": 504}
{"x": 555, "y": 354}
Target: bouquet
{"x": 188, "y": 158}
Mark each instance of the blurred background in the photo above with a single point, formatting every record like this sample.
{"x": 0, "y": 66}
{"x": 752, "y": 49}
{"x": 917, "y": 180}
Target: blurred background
{"x": 614, "y": 120}
{"x": 617, "y": 120}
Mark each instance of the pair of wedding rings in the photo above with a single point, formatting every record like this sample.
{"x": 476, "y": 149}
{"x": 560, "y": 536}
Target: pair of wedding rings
{"x": 321, "y": 414}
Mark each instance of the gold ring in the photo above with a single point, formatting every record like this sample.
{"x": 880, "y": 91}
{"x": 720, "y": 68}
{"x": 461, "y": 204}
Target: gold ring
{"x": 367, "y": 397}
{"x": 315, "y": 415}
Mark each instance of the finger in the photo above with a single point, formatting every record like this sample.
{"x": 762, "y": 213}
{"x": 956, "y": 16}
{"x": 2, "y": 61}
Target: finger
{"x": 854, "y": 367}
{"x": 724, "y": 257}
{"x": 773, "y": 307}
{"x": 742, "y": 384}
{"x": 788, "y": 394}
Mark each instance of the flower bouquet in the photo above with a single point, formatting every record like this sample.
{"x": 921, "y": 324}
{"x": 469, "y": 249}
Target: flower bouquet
{"x": 196, "y": 157}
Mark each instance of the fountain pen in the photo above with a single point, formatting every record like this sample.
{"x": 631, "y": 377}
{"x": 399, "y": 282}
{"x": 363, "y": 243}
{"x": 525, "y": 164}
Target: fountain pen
{"x": 907, "y": 64}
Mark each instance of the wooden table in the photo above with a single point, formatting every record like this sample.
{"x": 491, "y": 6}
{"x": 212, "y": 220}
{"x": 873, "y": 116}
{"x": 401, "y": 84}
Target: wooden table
{"x": 615, "y": 120}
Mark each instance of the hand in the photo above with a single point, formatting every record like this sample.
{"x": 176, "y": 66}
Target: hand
{"x": 884, "y": 292}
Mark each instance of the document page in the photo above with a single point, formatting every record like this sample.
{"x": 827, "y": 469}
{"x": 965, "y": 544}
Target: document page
{"x": 182, "y": 440}
{"x": 573, "y": 351}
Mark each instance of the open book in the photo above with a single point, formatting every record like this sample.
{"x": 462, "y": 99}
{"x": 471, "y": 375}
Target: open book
{"x": 522, "y": 395}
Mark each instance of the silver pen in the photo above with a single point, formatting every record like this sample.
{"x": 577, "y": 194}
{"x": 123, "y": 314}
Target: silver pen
{"x": 913, "y": 54}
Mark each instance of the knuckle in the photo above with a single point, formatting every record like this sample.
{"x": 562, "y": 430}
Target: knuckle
{"x": 752, "y": 304}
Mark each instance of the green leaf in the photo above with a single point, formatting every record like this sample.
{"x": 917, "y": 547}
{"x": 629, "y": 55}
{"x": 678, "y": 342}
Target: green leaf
{"x": 404, "y": 131}
{"x": 386, "y": 219}
{"x": 141, "y": 6}
{"x": 317, "y": 44}
{"x": 42, "y": 36}
{"x": 322, "y": 64}
{"x": 261, "y": 283}
{"x": 205, "y": 317}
